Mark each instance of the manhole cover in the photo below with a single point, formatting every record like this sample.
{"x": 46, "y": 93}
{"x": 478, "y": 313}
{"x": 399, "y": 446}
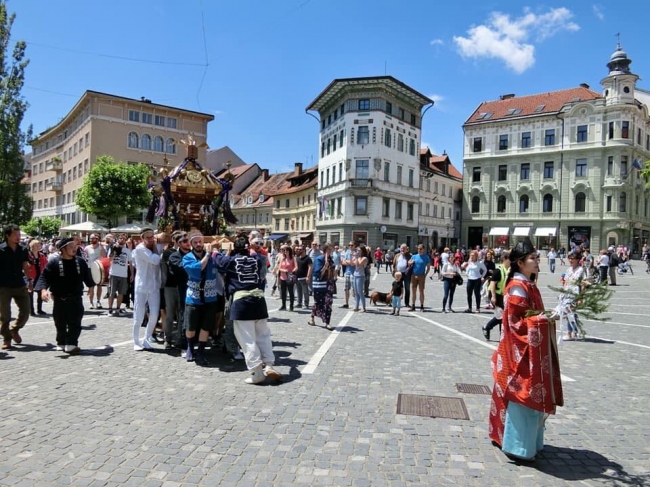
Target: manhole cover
{"x": 473, "y": 389}
{"x": 431, "y": 406}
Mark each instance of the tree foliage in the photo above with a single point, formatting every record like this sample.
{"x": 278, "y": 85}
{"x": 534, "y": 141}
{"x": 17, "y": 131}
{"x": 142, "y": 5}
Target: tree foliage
{"x": 111, "y": 190}
{"x": 15, "y": 202}
{"x": 48, "y": 226}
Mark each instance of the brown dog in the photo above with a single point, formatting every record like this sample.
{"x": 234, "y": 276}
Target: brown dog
{"x": 385, "y": 298}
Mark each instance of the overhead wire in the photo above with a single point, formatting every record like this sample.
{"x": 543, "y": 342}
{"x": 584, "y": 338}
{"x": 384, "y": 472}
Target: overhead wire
{"x": 207, "y": 59}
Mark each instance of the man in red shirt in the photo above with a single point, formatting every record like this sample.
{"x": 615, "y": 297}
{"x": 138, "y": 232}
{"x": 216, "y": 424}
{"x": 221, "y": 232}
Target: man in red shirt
{"x": 379, "y": 258}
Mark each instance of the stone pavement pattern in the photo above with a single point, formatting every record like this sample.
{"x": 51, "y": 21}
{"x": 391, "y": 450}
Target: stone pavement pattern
{"x": 112, "y": 416}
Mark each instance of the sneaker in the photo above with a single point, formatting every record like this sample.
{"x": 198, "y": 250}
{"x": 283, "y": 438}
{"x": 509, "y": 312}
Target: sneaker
{"x": 201, "y": 360}
{"x": 298, "y": 306}
{"x": 412, "y": 308}
{"x": 269, "y": 371}
{"x": 146, "y": 344}
{"x": 422, "y": 308}
{"x": 121, "y": 311}
{"x": 256, "y": 375}
{"x": 110, "y": 312}
{"x": 345, "y": 306}
{"x": 59, "y": 348}
{"x": 72, "y": 349}
{"x": 486, "y": 333}
{"x": 392, "y": 313}
{"x": 16, "y": 336}
{"x": 168, "y": 346}
{"x": 92, "y": 306}
{"x": 98, "y": 305}
{"x": 467, "y": 311}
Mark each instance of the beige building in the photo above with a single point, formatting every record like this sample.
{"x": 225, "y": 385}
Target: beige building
{"x": 129, "y": 130}
{"x": 294, "y": 210}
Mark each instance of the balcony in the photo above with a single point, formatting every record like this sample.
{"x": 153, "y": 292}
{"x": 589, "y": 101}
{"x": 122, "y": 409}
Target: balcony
{"x": 54, "y": 186}
{"x": 54, "y": 166}
{"x": 360, "y": 183}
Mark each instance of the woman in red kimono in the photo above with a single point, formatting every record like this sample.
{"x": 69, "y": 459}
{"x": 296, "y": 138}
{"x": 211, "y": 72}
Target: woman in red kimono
{"x": 525, "y": 366}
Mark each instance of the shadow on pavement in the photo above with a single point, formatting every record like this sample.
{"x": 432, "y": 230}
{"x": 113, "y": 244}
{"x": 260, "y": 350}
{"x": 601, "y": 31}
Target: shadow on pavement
{"x": 575, "y": 464}
{"x": 25, "y": 347}
{"x": 5, "y": 356}
{"x": 286, "y": 344}
{"x": 89, "y": 327}
{"x": 278, "y": 320}
{"x": 597, "y": 340}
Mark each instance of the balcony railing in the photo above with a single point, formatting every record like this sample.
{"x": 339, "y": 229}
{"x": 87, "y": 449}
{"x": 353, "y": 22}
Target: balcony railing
{"x": 360, "y": 183}
{"x": 54, "y": 166}
{"x": 54, "y": 186}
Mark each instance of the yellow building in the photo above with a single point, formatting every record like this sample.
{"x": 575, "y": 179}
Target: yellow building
{"x": 129, "y": 130}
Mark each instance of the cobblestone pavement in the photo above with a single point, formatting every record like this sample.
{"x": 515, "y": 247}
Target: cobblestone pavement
{"x": 112, "y": 416}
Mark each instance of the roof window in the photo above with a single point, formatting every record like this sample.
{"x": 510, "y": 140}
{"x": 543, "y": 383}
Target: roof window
{"x": 484, "y": 115}
{"x": 539, "y": 108}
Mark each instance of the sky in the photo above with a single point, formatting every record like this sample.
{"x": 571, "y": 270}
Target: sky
{"x": 257, "y": 64}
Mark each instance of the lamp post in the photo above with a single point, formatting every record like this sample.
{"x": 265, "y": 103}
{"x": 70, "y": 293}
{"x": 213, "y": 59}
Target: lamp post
{"x": 448, "y": 240}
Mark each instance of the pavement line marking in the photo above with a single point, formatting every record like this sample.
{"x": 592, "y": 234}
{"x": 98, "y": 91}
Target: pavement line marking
{"x": 616, "y": 323}
{"x": 121, "y": 344}
{"x": 619, "y": 341}
{"x": 310, "y": 368}
{"x": 375, "y": 276}
{"x": 51, "y": 322}
{"x": 471, "y": 338}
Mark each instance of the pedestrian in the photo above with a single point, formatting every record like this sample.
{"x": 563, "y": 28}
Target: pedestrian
{"x": 94, "y": 251}
{"x": 614, "y": 260}
{"x": 421, "y": 263}
{"x": 336, "y": 257}
{"x": 177, "y": 270}
{"x": 603, "y": 265}
{"x": 388, "y": 259}
{"x": 286, "y": 271}
{"x": 525, "y": 366}
{"x": 348, "y": 273}
{"x": 37, "y": 262}
{"x": 450, "y": 273}
{"x": 303, "y": 277}
{"x": 147, "y": 289}
{"x": 573, "y": 280}
{"x": 323, "y": 278}
{"x": 248, "y": 311}
{"x": 475, "y": 271}
{"x": 379, "y": 258}
{"x": 14, "y": 285}
{"x": 170, "y": 293}
{"x": 490, "y": 265}
{"x": 359, "y": 262}
{"x": 497, "y": 287}
{"x": 396, "y": 289}
{"x": 552, "y": 255}
{"x": 65, "y": 276}
{"x": 366, "y": 280}
{"x": 121, "y": 263}
{"x": 400, "y": 264}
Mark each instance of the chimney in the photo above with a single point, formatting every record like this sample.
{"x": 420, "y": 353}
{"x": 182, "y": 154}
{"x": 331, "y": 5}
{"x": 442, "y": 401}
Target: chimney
{"x": 265, "y": 175}
{"x": 298, "y": 168}
{"x": 507, "y": 96}
{"x": 584, "y": 85}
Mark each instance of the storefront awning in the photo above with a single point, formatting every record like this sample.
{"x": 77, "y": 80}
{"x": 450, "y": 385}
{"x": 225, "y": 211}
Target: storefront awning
{"x": 521, "y": 232}
{"x": 305, "y": 236}
{"x": 275, "y": 236}
{"x": 545, "y": 231}
{"x": 499, "y": 231}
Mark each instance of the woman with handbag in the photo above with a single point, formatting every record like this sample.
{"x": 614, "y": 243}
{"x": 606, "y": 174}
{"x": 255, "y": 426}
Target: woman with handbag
{"x": 286, "y": 269}
{"x": 37, "y": 261}
{"x": 450, "y": 276}
{"x": 323, "y": 285}
{"x": 476, "y": 271}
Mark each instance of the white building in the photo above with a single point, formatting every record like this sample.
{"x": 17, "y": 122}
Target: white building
{"x": 560, "y": 167}
{"x": 369, "y": 161}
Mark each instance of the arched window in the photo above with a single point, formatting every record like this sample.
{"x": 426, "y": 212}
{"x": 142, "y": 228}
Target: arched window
{"x": 622, "y": 202}
{"x": 476, "y": 204}
{"x": 547, "y": 203}
{"x": 501, "y": 204}
{"x": 158, "y": 143}
{"x": 145, "y": 142}
{"x": 581, "y": 203}
{"x": 523, "y": 203}
{"x": 133, "y": 140}
{"x": 170, "y": 146}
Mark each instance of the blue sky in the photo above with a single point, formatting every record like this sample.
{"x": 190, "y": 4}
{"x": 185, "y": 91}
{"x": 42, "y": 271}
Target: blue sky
{"x": 267, "y": 60}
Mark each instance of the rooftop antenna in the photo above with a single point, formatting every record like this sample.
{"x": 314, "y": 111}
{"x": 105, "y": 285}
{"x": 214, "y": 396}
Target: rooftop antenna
{"x": 618, "y": 40}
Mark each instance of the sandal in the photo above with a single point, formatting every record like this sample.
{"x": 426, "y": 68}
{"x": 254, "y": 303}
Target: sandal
{"x": 311, "y": 323}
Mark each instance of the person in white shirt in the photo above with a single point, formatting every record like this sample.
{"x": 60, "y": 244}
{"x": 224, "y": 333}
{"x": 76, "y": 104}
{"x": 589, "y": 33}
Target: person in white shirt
{"x": 147, "y": 289}
{"x": 94, "y": 251}
{"x": 120, "y": 257}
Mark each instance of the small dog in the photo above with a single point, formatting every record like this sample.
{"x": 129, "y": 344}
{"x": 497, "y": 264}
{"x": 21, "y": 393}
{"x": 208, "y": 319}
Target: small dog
{"x": 385, "y": 298}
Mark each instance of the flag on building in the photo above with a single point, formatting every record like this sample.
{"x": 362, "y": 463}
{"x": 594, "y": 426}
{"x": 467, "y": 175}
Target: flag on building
{"x": 637, "y": 164}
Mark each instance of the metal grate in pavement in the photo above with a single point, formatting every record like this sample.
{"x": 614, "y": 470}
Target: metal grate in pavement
{"x": 431, "y": 406}
{"x": 473, "y": 389}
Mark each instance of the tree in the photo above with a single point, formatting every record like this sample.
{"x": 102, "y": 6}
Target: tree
{"x": 114, "y": 189}
{"x": 15, "y": 202}
{"x": 45, "y": 226}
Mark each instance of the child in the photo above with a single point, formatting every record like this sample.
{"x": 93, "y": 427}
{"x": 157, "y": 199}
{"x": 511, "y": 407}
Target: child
{"x": 397, "y": 288}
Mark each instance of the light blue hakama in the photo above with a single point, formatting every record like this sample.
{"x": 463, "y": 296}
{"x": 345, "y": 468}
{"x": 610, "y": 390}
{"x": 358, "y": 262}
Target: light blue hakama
{"x": 523, "y": 433}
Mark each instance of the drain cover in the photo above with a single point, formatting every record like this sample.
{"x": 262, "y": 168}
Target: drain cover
{"x": 431, "y": 406}
{"x": 473, "y": 389}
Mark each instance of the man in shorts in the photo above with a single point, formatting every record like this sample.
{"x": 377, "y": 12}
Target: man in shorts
{"x": 120, "y": 257}
{"x": 349, "y": 272}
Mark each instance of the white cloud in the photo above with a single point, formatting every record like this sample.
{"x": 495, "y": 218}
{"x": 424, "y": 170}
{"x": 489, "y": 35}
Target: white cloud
{"x": 436, "y": 98}
{"x": 598, "y": 12}
{"x": 507, "y": 39}
{"x": 437, "y": 42}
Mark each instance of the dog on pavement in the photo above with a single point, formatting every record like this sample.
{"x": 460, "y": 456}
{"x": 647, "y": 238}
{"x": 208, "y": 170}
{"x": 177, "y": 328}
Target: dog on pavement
{"x": 385, "y": 298}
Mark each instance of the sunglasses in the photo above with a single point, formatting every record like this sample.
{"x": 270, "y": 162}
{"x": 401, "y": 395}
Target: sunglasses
{"x": 184, "y": 240}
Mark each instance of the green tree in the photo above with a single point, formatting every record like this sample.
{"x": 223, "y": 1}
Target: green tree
{"x": 112, "y": 190}
{"x": 15, "y": 202}
{"x": 45, "y": 226}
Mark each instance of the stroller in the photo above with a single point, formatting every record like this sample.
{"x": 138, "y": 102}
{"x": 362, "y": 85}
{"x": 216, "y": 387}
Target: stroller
{"x": 624, "y": 267}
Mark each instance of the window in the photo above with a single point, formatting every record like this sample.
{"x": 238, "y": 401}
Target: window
{"x": 159, "y": 120}
{"x": 340, "y": 174}
{"x": 413, "y": 119}
{"x": 442, "y": 192}
{"x": 327, "y": 177}
{"x": 385, "y": 207}
{"x": 581, "y": 135}
{"x": 361, "y": 205}
{"x": 401, "y": 113}
{"x": 547, "y": 203}
{"x": 400, "y": 142}
{"x": 145, "y": 142}
{"x": 134, "y": 116}
{"x": 133, "y": 140}
{"x": 277, "y": 204}
{"x": 341, "y": 139}
{"x": 389, "y": 108}
{"x": 524, "y": 173}
{"x": 412, "y": 147}
{"x": 501, "y": 204}
{"x": 608, "y": 204}
{"x": 362, "y": 169}
{"x": 409, "y": 211}
{"x": 158, "y": 143}
{"x": 399, "y": 174}
{"x": 329, "y": 119}
{"x": 581, "y": 168}
{"x": 322, "y": 149}
{"x": 581, "y": 202}
{"x": 329, "y": 145}
{"x": 387, "y": 138}
{"x": 523, "y": 203}
{"x": 503, "y": 172}
{"x": 435, "y": 211}
{"x": 525, "y": 139}
{"x": 623, "y": 166}
{"x": 476, "y": 174}
{"x": 286, "y": 203}
{"x": 363, "y": 135}
{"x": 636, "y": 204}
{"x": 411, "y": 177}
{"x": 364, "y": 105}
{"x": 398, "y": 210}
{"x": 549, "y": 137}
{"x": 622, "y": 202}
{"x": 625, "y": 130}
{"x": 503, "y": 142}
{"x": 610, "y": 165}
{"x": 478, "y": 144}
{"x": 87, "y": 139}
{"x": 171, "y": 122}
{"x": 334, "y": 142}
{"x": 147, "y": 118}
{"x": 435, "y": 187}
{"x": 610, "y": 131}
{"x": 548, "y": 170}
{"x": 170, "y": 146}
{"x": 286, "y": 224}
{"x": 638, "y": 136}
{"x": 476, "y": 204}
{"x": 427, "y": 207}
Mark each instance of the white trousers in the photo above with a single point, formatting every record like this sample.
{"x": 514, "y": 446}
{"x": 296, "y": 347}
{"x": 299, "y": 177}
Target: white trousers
{"x": 254, "y": 336}
{"x": 139, "y": 311}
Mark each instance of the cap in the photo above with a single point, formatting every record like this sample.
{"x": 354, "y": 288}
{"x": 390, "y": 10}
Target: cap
{"x": 522, "y": 249}
{"x": 195, "y": 235}
{"x": 65, "y": 241}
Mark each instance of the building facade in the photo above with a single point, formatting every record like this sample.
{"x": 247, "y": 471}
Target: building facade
{"x": 369, "y": 161}
{"x": 560, "y": 167}
{"x": 129, "y": 130}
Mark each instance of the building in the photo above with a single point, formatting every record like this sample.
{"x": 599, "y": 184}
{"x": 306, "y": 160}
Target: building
{"x": 218, "y": 160}
{"x": 441, "y": 188}
{"x": 369, "y": 161}
{"x": 253, "y": 206}
{"x": 560, "y": 167}
{"x": 294, "y": 210}
{"x": 129, "y": 130}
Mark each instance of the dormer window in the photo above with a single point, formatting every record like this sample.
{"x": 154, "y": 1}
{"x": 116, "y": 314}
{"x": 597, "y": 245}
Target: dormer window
{"x": 250, "y": 199}
{"x": 539, "y": 108}
{"x": 261, "y": 198}
{"x": 513, "y": 111}
{"x": 484, "y": 115}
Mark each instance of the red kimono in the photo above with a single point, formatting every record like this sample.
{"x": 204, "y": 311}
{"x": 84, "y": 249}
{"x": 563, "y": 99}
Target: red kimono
{"x": 525, "y": 365}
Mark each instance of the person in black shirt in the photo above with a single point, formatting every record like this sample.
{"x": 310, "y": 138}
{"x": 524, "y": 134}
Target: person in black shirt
{"x": 397, "y": 289}
{"x": 14, "y": 284}
{"x": 175, "y": 267}
{"x": 303, "y": 276}
{"x": 65, "y": 276}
